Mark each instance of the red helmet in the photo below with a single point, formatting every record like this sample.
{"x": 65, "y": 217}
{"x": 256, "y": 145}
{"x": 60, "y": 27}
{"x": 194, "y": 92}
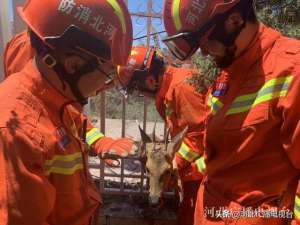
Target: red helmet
{"x": 140, "y": 59}
{"x": 187, "y": 21}
{"x": 101, "y": 28}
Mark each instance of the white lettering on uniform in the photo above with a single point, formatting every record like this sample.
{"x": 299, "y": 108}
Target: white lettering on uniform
{"x": 191, "y": 18}
{"x": 197, "y": 7}
{"x": 110, "y": 31}
{"x": 83, "y": 14}
{"x": 66, "y": 6}
{"x": 97, "y": 23}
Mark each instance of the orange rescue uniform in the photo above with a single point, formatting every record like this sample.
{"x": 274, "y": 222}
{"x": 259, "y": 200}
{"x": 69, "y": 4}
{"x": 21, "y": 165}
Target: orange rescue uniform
{"x": 180, "y": 105}
{"x": 43, "y": 159}
{"x": 252, "y": 137}
{"x": 17, "y": 54}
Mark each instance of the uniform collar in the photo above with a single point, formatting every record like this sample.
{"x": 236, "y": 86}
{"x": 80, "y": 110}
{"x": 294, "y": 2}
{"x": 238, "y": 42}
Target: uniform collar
{"x": 40, "y": 87}
{"x": 259, "y": 46}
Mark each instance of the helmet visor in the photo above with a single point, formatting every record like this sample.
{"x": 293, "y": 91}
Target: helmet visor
{"x": 75, "y": 38}
{"x": 183, "y": 45}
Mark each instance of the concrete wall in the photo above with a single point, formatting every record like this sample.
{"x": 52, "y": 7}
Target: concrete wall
{"x": 5, "y": 30}
{"x": 9, "y": 25}
{"x": 19, "y": 25}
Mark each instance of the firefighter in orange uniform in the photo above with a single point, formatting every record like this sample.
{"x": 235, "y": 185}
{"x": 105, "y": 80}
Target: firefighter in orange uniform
{"x": 44, "y": 173}
{"x": 252, "y": 135}
{"x": 179, "y": 105}
{"x": 17, "y": 54}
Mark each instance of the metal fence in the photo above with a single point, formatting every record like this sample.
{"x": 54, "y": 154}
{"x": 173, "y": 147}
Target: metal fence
{"x": 143, "y": 15}
{"x": 120, "y": 181}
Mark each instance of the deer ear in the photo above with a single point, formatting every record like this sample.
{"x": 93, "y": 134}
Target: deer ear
{"x": 175, "y": 143}
{"x": 145, "y": 138}
{"x": 142, "y": 152}
{"x": 167, "y": 136}
{"x": 153, "y": 132}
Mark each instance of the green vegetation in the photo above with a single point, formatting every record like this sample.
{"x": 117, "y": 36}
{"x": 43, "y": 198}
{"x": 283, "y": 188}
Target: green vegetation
{"x": 281, "y": 15}
{"x": 134, "y": 107}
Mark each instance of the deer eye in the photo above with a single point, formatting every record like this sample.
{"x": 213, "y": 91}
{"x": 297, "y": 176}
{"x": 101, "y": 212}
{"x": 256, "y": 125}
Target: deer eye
{"x": 147, "y": 170}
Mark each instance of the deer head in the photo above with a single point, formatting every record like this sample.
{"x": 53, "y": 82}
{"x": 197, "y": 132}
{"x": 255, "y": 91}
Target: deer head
{"x": 157, "y": 157}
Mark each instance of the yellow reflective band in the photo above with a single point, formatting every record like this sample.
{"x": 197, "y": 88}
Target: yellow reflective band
{"x": 64, "y": 164}
{"x": 119, "y": 12}
{"x": 176, "y": 14}
{"x": 186, "y": 153}
{"x": 93, "y": 135}
{"x": 65, "y": 171}
{"x": 272, "y": 89}
{"x": 214, "y": 103}
{"x": 200, "y": 163}
{"x": 297, "y": 207}
{"x": 64, "y": 158}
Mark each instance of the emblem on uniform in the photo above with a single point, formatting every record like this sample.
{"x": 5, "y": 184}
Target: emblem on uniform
{"x": 220, "y": 89}
{"x": 62, "y": 138}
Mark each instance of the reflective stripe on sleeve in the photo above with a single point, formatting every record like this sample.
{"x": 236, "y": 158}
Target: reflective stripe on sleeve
{"x": 297, "y": 208}
{"x": 214, "y": 103}
{"x": 93, "y": 135}
{"x": 272, "y": 89}
{"x": 186, "y": 153}
{"x": 200, "y": 163}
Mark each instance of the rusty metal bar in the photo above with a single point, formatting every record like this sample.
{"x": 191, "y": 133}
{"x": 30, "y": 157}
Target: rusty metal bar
{"x": 165, "y": 130}
{"x": 122, "y": 175}
{"x": 101, "y": 175}
{"x": 102, "y": 128}
{"x": 151, "y": 14}
{"x": 145, "y": 113}
{"x": 123, "y": 116}
{"x": 102, "y": 112}
{"x": 149, "y": 26}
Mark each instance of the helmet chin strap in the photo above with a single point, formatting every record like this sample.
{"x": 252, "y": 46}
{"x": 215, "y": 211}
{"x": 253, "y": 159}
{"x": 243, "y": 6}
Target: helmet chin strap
{"x": 71, "y": 79}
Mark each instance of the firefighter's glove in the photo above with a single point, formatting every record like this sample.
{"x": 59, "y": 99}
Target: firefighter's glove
{"x": 108, "y": 147}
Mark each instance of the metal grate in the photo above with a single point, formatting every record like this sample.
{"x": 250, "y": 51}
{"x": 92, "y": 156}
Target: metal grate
{"x": 122, "y": 180}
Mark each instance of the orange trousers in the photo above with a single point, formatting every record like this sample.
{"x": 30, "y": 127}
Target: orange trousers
{"x": 187, "y": 207}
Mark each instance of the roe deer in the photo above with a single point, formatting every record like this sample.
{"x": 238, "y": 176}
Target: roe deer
{"x": 158, "y": 159}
